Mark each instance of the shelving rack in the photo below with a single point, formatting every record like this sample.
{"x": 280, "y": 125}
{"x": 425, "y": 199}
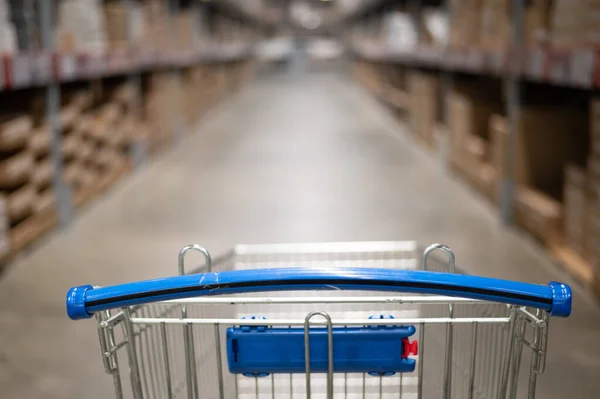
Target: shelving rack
{"x": 48, "y": 68}
{"x": 517, "y": 65}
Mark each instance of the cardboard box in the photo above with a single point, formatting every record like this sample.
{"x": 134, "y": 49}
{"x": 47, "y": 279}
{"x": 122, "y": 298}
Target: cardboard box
{"x": 164, "y": 104}
{"x": 592, "y": 235}
{"x": 423, "y": 108}
{"x": 15, "y": 170}
{"x": 477, "y": 148}
{"x": 496, "y": 19}
{"x": 39, "y": 141}
{"x": 71, "y": 173}
{"x": 537, "y": 22}
{"x": 20, "y": 203}
{"x": 109, "y": 113}
{"x": 70, "y": 146}
{"x": 539, "y": 214}
{"x": 575, "y": 23}
{"x": 97, "y": 131}
{"x": 46, "y": 201}
{"x": 564, "y": 140}
{"x": 498, "y": 142}
{"x": 83, "y": 125}
{"x": 117, "y": 20}
{"x": 89, "y": 177}
{"x": 81, "y": 100}
{"x": 86, "y": 150}
{"x": 497, "y": 22}
{"x": 186, "y": 30}
{"x": 576, "y": 175}
{"x": 595, "y": 147}
{"x": 468, "y": 123}
{"x": 124, "y": 94}
{"x": 5, "y": 245}
{"x": 106, "y": 157}
{"x": 122, "y": 133}
{"x": 594, "y": 168}
{"x": 42, "y": 174}
{"x": 14, "y": 130}
{"x": 67, "y": 116}
{"x": 465, "y": 25}
{"x": 576, "y": 201}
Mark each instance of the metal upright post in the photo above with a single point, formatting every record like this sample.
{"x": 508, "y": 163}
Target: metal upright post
{"x": 179, "y": 122}
{"x": 446, "y": 83}
{"x": 138, "y": 149}
{"x": 64, "y": 198}
{"x": 513, "y": 101}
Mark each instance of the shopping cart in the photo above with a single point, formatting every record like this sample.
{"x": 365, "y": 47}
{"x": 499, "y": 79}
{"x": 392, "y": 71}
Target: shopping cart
{"x": 218, "y": 334}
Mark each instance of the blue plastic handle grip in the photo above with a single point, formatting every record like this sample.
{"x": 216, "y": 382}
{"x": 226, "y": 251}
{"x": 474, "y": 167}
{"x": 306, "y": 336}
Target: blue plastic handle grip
{"x": 556, "y": 298}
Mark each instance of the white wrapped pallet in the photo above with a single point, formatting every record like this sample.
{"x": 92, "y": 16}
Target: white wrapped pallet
{"x": 81, "y": 26}
{"x": 8, "y": 35}
{"x": 401, "y": 31}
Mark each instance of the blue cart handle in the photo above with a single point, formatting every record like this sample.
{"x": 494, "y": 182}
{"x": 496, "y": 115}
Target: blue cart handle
{"x": 555, "y": 298}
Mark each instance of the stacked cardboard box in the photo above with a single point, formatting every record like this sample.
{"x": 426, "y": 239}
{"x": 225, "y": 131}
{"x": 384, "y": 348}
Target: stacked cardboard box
{"x": 117, "y": 14}
{"x": 539, "y": 173}
{"x": 540, "y": 214}
{"x": 16, "y": 166}
{"x": 423, "y": 106}
{"x": 575, "y": 200}
{"x": 537, "y": 22}
{"x": 369, "y": 76}
{"x": 489, "y": 23}
{"x": 163, "y": 108}
{"x": 39, "y": 147}
{"x": 81, "y": 26}
{"x": 469, "y": 111}
{"x": 156, "y": 34}
{"x": 592, "y": 226}
{"x": 114, "y": 121}
{"x": 199, "y": 85}
{"x": 465, "y": 23}
{"x": 562, "y": 133}
{"x": 582, "y": 216}
{"x": 496, "y": 20}
{"x": 575, "y": 23}
{"x": 188, "y": 29}
{"x": 96, "y": 26}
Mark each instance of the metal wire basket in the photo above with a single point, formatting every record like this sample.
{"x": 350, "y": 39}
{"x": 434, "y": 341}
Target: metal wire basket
{"x": 178, "y": 336}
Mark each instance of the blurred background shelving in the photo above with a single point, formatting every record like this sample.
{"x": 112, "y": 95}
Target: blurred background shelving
{"x": 475, "y": 123}
{"x": 506, "y": 91}
{"x": 93, "y": 89}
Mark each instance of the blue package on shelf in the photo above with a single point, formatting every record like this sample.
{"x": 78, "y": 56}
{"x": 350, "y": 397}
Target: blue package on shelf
{"x": 378, "y": 350}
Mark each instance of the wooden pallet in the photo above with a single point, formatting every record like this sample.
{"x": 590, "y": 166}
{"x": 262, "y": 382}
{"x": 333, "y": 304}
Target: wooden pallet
{"x": 112, "y": 176}
{"x": 85, "y": 195}
{"x": 596, "y": 287}
{"x": 90, "y": 193}
{"x": 31, "y": 230}
{"x": 395, "y": 98}
{"x": 574, "y": 264}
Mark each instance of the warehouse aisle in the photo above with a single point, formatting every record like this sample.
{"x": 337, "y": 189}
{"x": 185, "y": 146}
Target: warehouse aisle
{"x": 289, "y": 159}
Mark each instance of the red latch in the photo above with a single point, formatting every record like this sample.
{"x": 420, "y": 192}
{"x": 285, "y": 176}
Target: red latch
{"x": 410, "y": 348}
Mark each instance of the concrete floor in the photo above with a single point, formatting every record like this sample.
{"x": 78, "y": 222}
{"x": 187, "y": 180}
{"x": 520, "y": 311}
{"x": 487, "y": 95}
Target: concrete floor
{"x": 303, "y": 158}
